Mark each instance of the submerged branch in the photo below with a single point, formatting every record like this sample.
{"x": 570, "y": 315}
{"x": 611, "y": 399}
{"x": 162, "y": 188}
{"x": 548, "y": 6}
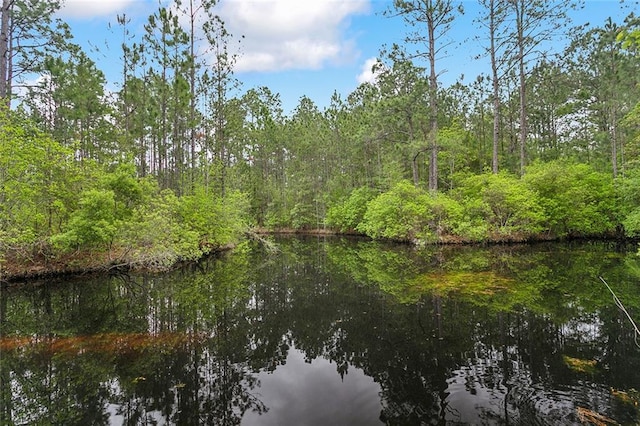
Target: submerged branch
{"x": 623, "y": 309}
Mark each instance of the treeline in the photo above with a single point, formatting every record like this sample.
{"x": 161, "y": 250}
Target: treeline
{"x": 553, "y": 200}
{"x": 179, "y": 160}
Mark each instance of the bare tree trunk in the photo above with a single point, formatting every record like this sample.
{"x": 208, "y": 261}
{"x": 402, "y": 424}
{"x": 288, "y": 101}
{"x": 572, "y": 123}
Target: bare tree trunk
{"x": 519, "y": 7}
{"x": 414, "y": 168}
{"x": 433, "y": 106}
{"x": 523, "y": 119}
{"x": 496, "y": 87}
{"x": 614, "y": 142}
{"x": 192, "y": 101}
{"x": 613, "y": 126}
{"x": 5, "y": 52}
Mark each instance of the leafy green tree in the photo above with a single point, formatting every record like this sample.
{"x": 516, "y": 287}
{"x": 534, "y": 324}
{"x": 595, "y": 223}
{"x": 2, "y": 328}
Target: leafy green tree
{"x": 628, "y": 202}
{"x": 69, "y": 104}
{"x": 167, "y": 42}
{"x": 535, "y": 22}
{"x": 606, "y": 90}
{"x": 218, "y": 222}
{"x": 264, "y": 122}
{"x": 128, "y": 190}
{"x": 308, "y": 166}
{"x": 402, "y": 108}
{"x": 38, "y": 182}
{"x": 192, "y": 10}
{"x": 550, "y": 112}
{"x": 494, "y": 21}
{"x": 373, "y": 159}
{"x": 156, "y": 237}
{"x": 457, "y": 153}
{"x": 221, "y": 82}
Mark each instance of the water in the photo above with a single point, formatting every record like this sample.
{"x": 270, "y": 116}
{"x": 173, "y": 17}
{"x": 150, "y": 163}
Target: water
{"x": 332, "y": 331}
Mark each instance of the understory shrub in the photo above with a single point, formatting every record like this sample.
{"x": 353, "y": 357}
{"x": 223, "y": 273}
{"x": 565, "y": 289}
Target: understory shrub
{"x": 401, "y": 213}
{"x": 94, "y": 223}
{"x": 157, "y": 237}
{"x": 346, "y": 216}
{"x": 576, "y": 199}
{"x": 506, "y": 206}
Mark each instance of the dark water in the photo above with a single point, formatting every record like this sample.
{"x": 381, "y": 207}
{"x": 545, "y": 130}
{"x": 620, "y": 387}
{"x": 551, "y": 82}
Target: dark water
{"x": 332, "y": 332}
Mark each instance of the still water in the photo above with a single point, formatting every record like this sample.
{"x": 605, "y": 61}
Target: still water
{"x": 331, "y": 331}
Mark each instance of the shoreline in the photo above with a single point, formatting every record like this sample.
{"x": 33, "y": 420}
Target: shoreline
{"x": 42, "y": 266}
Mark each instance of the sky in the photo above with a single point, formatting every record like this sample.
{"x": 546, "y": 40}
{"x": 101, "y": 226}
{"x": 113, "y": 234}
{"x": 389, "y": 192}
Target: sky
{"x": 307, "y": 48}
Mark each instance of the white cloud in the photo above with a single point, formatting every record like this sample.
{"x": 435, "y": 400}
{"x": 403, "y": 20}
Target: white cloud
{"x": 291, "y": 34}
{"x": 367, "y": 75}
{"x": 84, "y": 9}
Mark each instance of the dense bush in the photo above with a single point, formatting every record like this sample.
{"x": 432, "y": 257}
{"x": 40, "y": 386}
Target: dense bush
{"x": 502, "y": 204}
{"x": 576, "y": 199}
{"x": 156, "y": 236}
{"x": 39, "y": 183}
{"x": 401, "y": 213}
{"x": 628, "y": 202}
{"x": 148, "y": 226}
{"x": 93, "y": 224}
{"x": 167, "y": 229}
{"x": 217, "y": 221}
{"x": 347, "y": 215}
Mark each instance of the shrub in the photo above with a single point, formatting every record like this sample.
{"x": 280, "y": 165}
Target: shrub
{"x": 631, "y": 224}
{"x": 217, "y": 221}
{"x": 577, "y": 200}
{"x": 347, "y": 215}
{"x": 92, "y": 224}
{"x": 402, "y": 214}
{"x": 157, "y": 237}
{"x": 503, "y": 202}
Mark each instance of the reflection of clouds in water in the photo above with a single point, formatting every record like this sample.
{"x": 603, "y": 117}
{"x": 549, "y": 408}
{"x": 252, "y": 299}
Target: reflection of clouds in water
{"x": 301, "y": 393}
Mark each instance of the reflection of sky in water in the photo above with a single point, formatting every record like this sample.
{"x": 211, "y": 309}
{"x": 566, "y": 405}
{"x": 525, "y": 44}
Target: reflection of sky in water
{"x": 300, "y": 393}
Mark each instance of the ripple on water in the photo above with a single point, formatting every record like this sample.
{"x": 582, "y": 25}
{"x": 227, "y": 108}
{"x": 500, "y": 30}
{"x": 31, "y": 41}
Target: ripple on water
{"x": 478, "y": 394}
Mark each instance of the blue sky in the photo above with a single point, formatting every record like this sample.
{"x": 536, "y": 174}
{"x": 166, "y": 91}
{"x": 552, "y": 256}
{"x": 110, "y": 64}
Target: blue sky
{"x": 298, "y": 47}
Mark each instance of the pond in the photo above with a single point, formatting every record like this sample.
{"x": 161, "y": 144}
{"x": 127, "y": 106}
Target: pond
{"x": 332, "y": 331}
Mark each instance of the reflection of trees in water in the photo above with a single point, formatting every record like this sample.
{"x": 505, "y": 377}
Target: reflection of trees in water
{"x": 169, "y": 377}
{"x": 198, "y": 377}
{"x": 385, "y": 311}
{"x": 510, "y": 338}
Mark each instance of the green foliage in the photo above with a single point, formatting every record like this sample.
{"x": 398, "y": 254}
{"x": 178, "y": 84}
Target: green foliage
{"x": 167, "y": 229}
{"x": 94, "y": 223}
{"x": 400, "y": 214}
{"x": 317, "y": 166}
{"x": 277, "y": 215}
{"x": 347, "y": 215}
{"x": 576, "y": 199}
{"x": 452, "y": 219}
{"x": 38, "y": 179}
{"x": 217, "y": 221}
{"x": 156, "y": 237}
{"x": 128, "y": 190}
{"x": 304, "y": 215}
{"x": 628, "y": 202}
{"x": 509, "y": 208}
{"x": 631, "y": 224}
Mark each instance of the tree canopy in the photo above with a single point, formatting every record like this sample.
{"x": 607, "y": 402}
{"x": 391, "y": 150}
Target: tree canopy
{"x": 180, "y": 160}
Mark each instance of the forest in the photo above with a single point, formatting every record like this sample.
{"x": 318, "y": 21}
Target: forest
{"x": 180, "y": 161}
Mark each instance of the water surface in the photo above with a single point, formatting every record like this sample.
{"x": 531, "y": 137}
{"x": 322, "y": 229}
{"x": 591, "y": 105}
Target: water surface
{"x": 332, "y": 331}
